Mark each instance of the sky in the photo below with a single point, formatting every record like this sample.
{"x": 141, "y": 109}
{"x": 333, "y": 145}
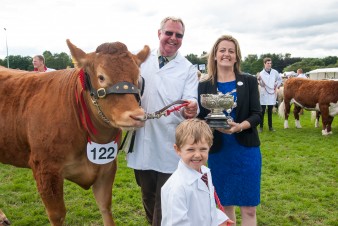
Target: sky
{"x": 303, "y": 28}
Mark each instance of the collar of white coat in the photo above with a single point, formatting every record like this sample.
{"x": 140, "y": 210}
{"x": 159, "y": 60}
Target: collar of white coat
{"x": 155, "y": 53}
{"x": 192, "y": 175}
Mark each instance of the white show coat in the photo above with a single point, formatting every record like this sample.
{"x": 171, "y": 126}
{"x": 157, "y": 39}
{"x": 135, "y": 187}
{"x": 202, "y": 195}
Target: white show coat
{"x": 301, "y": 76}
{"x": 153, "y": 147}
{"x": 268, "y": 84}
{"x": 187, "y": 201}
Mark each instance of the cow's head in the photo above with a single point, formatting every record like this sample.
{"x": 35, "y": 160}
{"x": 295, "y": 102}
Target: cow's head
{"x": 111, "y": 81}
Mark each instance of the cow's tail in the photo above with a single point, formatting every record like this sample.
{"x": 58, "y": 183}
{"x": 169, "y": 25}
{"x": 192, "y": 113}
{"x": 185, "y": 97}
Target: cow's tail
{"x": 281, "y": 110}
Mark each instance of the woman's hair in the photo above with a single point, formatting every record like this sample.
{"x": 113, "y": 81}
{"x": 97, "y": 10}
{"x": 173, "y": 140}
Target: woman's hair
{"x": 194, "y": 128}
{"x": 212, "y": 64}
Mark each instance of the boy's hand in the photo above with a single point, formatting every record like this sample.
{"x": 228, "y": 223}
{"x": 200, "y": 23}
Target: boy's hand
{"x": 227, "y": 223}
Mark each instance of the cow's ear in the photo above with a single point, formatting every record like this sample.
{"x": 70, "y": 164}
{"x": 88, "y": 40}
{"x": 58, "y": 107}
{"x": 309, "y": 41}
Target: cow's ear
{"x": 142, "y": 55}
{"x": 78, "y": 56}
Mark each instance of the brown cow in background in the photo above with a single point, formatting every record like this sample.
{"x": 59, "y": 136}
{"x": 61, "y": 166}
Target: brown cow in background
{"x": 313, "y": 95}
{"x": 48, "y": 121}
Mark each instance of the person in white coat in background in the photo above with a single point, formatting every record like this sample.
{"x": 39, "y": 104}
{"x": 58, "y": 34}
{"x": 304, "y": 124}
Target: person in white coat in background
{"x": 300, "y": 73}
{"x": 168, "y": 77}
{"x": 269, "y": 81}
{"x": 188, "y": 195}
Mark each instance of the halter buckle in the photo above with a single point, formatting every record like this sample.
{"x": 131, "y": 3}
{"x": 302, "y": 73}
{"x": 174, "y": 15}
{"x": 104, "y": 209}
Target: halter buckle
{"x": 101, "y": 93}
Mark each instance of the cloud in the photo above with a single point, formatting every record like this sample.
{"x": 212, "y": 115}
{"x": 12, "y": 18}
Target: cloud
{"x": 304, "y": 28}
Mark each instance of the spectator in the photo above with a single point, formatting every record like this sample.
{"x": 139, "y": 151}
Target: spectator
{"x": 300, "y": 73}
{"x": 269, "y": 81}
{"x": 235, "y": 157}
{"x": 39, "y": 64}
{"x": 168, "y": 76}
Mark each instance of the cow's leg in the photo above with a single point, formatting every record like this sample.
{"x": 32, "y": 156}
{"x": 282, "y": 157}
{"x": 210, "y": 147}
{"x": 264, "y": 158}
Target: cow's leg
{"x": 315, "y": 115}
{"x": 317, "y": 119}
{"x": 284, "y": 108}
{"x": 329, "y": 123}
{"x": 324, "y": 110}
{"x": 102, "y": 189}
{"x": 50, "y": 186}
{"x": 296, "y": 111}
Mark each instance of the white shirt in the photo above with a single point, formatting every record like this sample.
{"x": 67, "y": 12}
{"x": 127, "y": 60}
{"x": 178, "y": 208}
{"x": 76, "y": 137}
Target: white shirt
{"x": 50, "y": 69}
{"x": 301, "y": 76}
{"x": 153, "y": 147}
{"x": 268, "y": 85}
{"x": 187, "y": 201}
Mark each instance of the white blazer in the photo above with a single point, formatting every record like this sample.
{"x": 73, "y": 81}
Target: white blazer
{"x": 153, "y": 147}
{"x": 268, "y": 85}
{"x": 187, "y": 201}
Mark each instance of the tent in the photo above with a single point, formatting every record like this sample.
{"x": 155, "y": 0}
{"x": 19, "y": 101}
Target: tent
{"x": 323, "y": 73}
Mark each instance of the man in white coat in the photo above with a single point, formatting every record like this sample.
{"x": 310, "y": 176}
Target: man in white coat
{"x": 269, "y": 81}
{"x": 152, "y": 157}
{"x": 300, "y": 73}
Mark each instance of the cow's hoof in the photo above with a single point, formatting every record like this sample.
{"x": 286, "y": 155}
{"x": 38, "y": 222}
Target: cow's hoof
{"x": 325, "y": 133}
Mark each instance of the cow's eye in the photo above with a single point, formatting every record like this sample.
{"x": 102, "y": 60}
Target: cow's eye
{"x": 101, "y": 78}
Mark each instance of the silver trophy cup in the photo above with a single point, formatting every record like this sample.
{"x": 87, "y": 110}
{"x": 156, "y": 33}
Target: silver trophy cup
{"x": 217, "y": 103}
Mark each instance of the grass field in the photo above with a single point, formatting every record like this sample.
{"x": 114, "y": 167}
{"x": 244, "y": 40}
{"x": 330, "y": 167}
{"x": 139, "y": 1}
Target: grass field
{"x": 299, "y": 185}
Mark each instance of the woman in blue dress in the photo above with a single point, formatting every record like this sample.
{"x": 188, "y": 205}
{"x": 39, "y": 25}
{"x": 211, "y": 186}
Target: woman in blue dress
{"x": 235, "y": 158}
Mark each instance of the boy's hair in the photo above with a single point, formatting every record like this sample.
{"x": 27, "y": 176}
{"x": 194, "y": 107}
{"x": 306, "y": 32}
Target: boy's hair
{"x": 193, "y": 128}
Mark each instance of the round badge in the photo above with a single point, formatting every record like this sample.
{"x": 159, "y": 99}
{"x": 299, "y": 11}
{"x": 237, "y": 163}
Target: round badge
{"x": 240, "y": 83}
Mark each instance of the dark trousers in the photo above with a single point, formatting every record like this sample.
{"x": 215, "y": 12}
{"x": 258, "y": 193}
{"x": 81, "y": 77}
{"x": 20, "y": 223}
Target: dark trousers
{"x": 151, "y": 183}
{"x": 269, "y": 115}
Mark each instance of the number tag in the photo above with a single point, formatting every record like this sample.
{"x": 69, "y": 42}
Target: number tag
{"x": 101, "y": 153}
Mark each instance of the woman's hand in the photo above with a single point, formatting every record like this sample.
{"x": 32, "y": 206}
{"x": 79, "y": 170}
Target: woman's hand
{"x": 235, "y": 128}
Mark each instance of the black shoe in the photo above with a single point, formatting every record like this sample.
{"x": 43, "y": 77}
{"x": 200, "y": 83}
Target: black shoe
{"x": 260, "y": 129}
{"x": 272, "y": 129}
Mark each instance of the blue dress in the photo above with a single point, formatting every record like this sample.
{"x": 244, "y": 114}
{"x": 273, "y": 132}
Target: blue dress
{"x": 236, "y": 169}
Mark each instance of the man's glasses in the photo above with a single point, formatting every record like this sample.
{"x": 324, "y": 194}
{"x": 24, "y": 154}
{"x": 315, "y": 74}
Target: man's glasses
{"x": 170, "y": 33}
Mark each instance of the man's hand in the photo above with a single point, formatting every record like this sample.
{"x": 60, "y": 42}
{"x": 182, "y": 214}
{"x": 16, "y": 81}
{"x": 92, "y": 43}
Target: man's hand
{"x": 190, "y": 111}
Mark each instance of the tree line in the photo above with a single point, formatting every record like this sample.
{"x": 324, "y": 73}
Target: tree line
{"x": 280, "y": 62}
{"x": 56, "y": 61}
{"x": 251, "y": 64}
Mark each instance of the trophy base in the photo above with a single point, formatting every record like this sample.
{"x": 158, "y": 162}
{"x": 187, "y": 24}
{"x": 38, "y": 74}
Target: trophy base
{"x": 221, "y": 122}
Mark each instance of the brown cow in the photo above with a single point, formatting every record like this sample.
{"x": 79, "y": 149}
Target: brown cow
{"x": 3, "y": 219}
{"x": 48, "y": 121}
{"x": 313, "y": 95}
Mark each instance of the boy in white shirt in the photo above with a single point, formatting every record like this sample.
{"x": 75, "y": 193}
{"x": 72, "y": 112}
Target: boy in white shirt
{"x": 185, "y": 198}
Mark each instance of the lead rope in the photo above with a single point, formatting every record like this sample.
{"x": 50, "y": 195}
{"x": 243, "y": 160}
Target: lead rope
{"x": 128, "y": 140}
{"x": 264, "y": 85}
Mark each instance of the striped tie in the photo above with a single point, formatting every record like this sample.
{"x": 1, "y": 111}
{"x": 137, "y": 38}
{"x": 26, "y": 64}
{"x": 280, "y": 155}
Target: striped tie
{"x": 205, "y": 179}
{"x": 162, "y": 61}
{"x": 218, "y": 202}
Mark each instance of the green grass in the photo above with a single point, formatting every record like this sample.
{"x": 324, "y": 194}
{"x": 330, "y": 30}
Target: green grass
{"x": 299, "y": 184}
